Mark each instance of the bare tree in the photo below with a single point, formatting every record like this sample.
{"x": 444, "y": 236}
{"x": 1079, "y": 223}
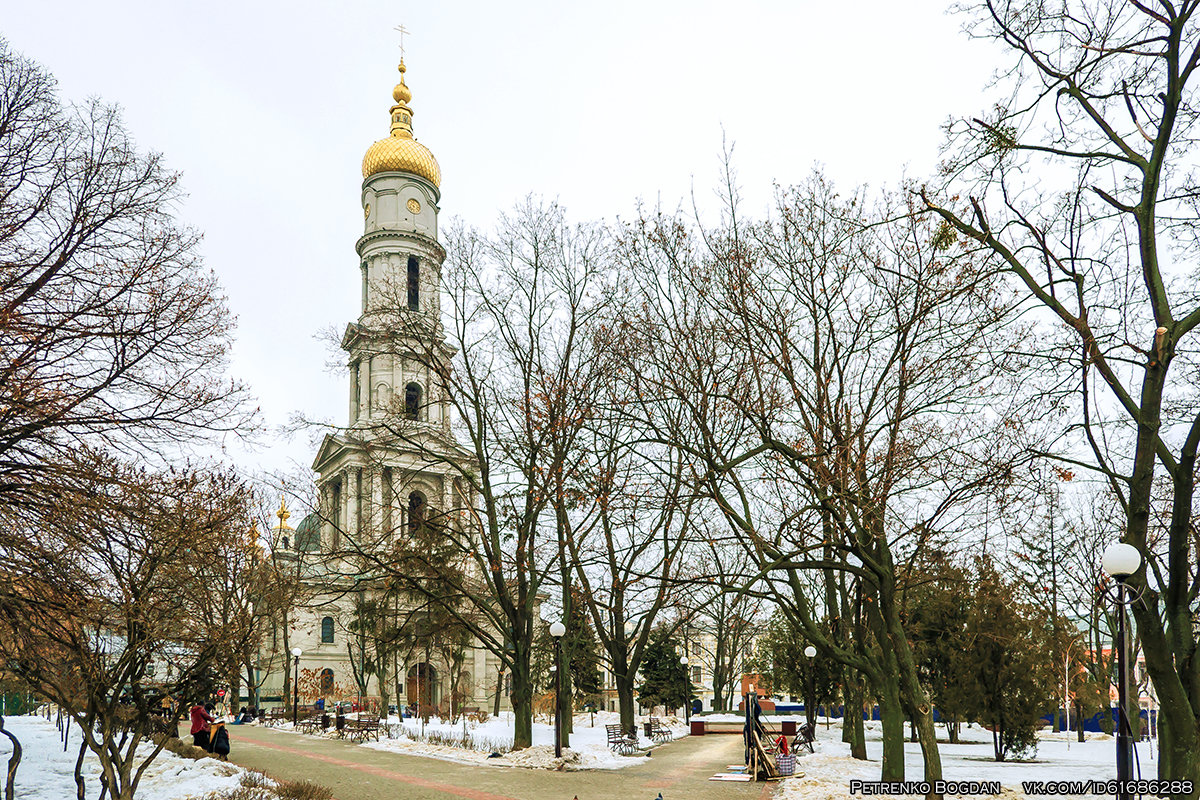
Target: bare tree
{"x": 636, "y": 497}
{"x": 113, "y": 334}
{"x": 103, "y": 584}
{"x": 839, "y": 387}
{"x": 1081, "y": 186}
{"x": 512, "y": 368}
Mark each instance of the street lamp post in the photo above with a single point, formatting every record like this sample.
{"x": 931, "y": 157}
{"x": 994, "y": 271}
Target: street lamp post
{"x": 1121, "y": 560}
{"x": 558, "y": 630}
{"x": 296, "y": 686}
{"x": 687, "y": 691}
{"x": 810, "y": 709}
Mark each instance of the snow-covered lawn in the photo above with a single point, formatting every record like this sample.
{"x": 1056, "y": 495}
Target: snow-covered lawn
{"x": 1059, "y": 757}
{"x": 588, "y": 750}
{"x": 47, "y": 773}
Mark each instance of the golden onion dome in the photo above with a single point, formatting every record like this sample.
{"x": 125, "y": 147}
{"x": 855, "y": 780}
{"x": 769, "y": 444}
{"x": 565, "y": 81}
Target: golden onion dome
{"x": 400, "y": 152}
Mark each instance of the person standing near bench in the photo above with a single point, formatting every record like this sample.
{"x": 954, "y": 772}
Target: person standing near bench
{"x": 200, "y": 722}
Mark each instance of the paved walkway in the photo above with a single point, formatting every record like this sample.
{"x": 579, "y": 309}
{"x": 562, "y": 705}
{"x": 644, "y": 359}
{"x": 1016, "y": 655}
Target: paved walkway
{"x": 679, "y": 770}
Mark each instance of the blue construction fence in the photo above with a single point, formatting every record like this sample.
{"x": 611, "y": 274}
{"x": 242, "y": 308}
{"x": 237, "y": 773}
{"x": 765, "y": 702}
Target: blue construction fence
{"x": 1091, "y": 724}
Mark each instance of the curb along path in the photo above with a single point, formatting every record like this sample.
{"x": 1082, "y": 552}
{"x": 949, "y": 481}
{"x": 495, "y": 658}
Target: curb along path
{"x": 679, "y": 770}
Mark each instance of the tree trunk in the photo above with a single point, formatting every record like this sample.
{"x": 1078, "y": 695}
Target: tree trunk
{"x": 252, "y": 687}
{"x": 858, "y": 745}
{"x": 80, "y": 787}
{"x": 522, "y": 703}
{"x": 914, "y": 693}
{"x": 625, "y": 702}
{"x": 892, "y": 717}
{"x": 384, "y": 696}
{"x": 499, "y": 691}
{"x": 235, "y": 689}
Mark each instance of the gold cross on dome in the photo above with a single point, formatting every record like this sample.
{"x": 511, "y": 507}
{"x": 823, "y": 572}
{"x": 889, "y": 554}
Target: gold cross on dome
{"x": 402, "y": 31}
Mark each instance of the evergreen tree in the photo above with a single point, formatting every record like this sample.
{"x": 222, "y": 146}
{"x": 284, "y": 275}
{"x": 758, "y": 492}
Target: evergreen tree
{"x": 938, "y": 606}
{"x": 582, "y": 652}
{"x": 779, "y": 658}
{"x": 1007, "y": 651}
{"x": 580, "y": 641}
{"x": 665, "y": 681}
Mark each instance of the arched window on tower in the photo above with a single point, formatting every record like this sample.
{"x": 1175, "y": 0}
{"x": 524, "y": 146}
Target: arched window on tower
{"x": 416, "y": 512}
{"x": 414, "y": 284}
{"x": 412, "y": 401}
{"x": 327, "y": 630}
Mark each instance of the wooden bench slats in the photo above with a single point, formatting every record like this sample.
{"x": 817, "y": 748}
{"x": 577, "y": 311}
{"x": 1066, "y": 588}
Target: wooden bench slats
{"x": 620, "y": 740}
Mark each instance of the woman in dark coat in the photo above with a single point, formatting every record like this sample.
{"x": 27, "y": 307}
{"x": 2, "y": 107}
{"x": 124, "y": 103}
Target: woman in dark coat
{"x": 200, "y": 721}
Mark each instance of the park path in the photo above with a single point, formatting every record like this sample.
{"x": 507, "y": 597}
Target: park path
{"x": 679, "y": 770}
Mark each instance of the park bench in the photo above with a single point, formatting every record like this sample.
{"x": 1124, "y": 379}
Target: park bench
{"x": 311, "y": 723}
{"x": 620, "y": 741}
{"x": 363, "y": 728}
{"x": 277, "y": 716}
{"x": 657, "y": 731}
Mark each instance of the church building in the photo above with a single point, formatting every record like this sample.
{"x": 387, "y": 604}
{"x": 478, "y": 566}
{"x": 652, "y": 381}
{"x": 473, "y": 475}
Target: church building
{"x": 392, "y": 466}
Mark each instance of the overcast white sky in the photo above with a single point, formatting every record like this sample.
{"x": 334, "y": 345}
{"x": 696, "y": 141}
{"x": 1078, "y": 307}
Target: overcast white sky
{"x": 267, "y": 109}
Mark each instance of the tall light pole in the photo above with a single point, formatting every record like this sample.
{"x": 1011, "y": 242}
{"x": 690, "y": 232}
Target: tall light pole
{"x": 630, "y": 627}
{"x": 810, "y": 709}
{"x": 1121, "y": 560}
{"x": 687, "y": 690}
{"x": 296, "y": 686}
{"x": 558, "y": 630}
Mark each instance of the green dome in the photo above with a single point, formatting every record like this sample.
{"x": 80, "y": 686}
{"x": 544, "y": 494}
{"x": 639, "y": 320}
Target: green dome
{"x": 308, "y": 534}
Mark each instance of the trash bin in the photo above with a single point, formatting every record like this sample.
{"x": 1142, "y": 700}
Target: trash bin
{"x": 786, "y": 764}
{"x": 698, "y": 727}
{"x": 789, "y": 727}
{"x": 646, "y": 725}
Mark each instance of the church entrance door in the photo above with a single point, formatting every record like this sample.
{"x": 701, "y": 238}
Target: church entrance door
{"x": 422, "y": 683}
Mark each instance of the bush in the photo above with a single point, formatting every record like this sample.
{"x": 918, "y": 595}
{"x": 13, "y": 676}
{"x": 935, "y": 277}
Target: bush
{"x": 301, "y": 790}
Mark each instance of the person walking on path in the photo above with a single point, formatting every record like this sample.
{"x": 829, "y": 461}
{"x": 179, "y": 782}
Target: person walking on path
{"x": 200, "y": 722}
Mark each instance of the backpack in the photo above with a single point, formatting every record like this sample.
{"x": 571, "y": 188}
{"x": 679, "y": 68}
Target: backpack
{"x": 220, "y": 745}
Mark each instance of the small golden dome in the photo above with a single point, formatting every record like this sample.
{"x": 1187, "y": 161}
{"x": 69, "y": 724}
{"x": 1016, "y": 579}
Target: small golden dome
{"x": 400, "y": 152}
{"x": 401, "y": 94}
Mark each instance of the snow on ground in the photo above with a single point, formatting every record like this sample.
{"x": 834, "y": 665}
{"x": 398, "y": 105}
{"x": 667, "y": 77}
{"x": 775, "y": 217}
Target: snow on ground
{"x": 1059, "y": 757}
{"x": 588, "y": 750}
{"x": 47, "y": 773}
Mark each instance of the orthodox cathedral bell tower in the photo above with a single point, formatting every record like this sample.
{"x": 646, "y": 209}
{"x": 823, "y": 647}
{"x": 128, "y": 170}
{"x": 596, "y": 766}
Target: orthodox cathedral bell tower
{"x": 392, "y": 467}
{"x": 386, "y": 472}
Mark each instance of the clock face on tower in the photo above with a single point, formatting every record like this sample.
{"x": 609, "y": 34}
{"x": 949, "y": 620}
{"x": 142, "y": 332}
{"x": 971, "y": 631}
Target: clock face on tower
{"x": 413, "y": 205}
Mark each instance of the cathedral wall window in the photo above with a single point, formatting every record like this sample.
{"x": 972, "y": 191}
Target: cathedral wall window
{"x": 327, "y": 681}
{"x": 358, "y": 502}
{"x": 336, "y": 515}
{"x": 416, "y": 511}
{"x": 327, "y": 630}
{"x": 383, "y": 396}
{"x": 412, "y": 401}
{"x": 414, "y": 284}
{"x": 388, "y": 498}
